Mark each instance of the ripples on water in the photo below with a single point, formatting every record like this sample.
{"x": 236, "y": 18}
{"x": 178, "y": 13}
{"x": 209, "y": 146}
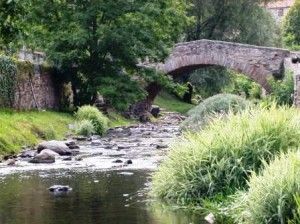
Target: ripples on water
{"x": 97, "y": 198}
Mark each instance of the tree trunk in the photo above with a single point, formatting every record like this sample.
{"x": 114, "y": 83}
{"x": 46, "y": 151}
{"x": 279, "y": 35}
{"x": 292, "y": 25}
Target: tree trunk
{"x": 143, "y": 107}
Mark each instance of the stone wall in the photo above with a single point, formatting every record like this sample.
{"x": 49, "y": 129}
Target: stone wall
{"x": 37, "y": 92}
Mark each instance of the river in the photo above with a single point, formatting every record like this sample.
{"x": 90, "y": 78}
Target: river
{"x": 104, "y": 190}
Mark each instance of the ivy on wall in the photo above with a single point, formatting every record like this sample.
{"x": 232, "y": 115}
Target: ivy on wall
{"x": 8, "y": 81}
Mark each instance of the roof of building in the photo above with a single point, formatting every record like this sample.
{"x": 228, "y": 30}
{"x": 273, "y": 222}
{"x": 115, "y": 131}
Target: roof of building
{"x": 280, "y": 4}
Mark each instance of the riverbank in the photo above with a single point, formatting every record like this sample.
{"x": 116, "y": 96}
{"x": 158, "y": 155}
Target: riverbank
{"x": 25, "y": 129}
{"x": 134, "y": 147}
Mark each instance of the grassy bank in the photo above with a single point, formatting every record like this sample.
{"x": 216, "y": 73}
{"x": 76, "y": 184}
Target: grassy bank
{"x": 19, "y": 129}
{"x": 219, "y": 160}
{"x": 171, "y": 103}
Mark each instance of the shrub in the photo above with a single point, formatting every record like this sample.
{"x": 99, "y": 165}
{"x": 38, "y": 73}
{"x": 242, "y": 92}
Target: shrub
{"x": 242, "y": 85}
{"x": 282, "y": 90}
{"x": 271, "y": 197}
{"x": 8, "y": 81}
{"x": 85, "y": 128}
{"x": 218, "y": 104}
{"x": 218, "y": 159}
{"x": 291, "y": 27}
{"x": 99, "y": 121}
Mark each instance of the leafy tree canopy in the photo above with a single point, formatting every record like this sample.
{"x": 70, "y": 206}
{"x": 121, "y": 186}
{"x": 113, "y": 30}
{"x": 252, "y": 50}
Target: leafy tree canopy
{"x": 11, "y": 12}
{"x": 101, "y": 42}
{"x": 291, "y": 27}
{"x": 244, "y": 21}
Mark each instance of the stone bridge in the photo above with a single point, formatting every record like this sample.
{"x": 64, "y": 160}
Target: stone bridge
{"x": 258, "y": 63}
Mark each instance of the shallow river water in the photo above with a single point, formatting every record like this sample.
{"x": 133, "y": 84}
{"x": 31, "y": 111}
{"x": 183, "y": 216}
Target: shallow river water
{"x": 104, "y": 192}
{"x": 101, "y": 197}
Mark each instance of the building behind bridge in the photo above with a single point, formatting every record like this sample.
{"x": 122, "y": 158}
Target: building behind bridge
{"x": 280, "y": 8}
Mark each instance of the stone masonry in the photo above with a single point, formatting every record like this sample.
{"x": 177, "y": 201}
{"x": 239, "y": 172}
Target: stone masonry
{"x": 258, "y": 63}
{"x": 37, "y": 92}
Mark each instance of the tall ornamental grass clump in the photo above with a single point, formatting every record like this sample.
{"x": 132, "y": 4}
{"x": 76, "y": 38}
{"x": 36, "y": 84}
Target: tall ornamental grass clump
{"x": 213, "y": 106}
{"x": 85, "y": 128}
{"x": 99, "y": 121}
{"x": 272, "y": 195}
{"x": 219, "y": 159}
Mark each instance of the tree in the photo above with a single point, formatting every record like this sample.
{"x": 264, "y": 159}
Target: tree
{"x": 244, "y": 21}
{"x": 291, "y": 27}
{"x": 99, "y": 43}
{"x": 11, "y": 12}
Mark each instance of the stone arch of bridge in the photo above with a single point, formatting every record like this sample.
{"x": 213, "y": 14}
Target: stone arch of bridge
{"x": 258, "y": 63}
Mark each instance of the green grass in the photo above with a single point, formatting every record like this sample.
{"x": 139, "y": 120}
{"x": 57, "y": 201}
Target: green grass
{"x": 19, "y": 129}
{"x": 272, "y": 195}
{"x": 219, "y": 159}
{"x": 172, "y": 103}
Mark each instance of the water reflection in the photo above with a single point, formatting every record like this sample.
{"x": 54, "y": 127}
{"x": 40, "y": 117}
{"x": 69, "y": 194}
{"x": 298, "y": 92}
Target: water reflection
{"x": 97, "y": 198}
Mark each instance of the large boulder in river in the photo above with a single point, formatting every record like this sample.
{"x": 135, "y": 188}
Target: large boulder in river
{"x": 57, "y": 146}
{"x": 45, "y": 156}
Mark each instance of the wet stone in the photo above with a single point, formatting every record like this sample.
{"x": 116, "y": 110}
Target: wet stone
{"x": 28, "y": 154}
{"x": 118, "y": 161}
{"x": 69, "y": 158}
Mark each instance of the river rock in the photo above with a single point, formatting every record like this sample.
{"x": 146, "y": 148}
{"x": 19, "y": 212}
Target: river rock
{"x": 96, "y": 142}
{"x": 128, "y": 162}
{"x": 28, "y": 153}
{"x": 79, "y": 158}
{"x": 7, "y": 157}
{"x": 44, "y": 156}
{"x": 11, "y": 162}
{"x": 57, "y": 146}
{"x": 60, "y": 188}
{"x": 155, "y": 110}
{"x": 70, "y": 143}
{"x": 69, "y": 158}
{"x": 118, "y": 161}
{"x": 161, "y": 146}
{"x": 80, "y": 138}
{"x": 74, "y": 147}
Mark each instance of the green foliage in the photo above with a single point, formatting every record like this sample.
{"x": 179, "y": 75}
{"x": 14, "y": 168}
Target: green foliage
{"x": 296, "y": 218}
{"x": 99, "y": 121}
{"x": 282, "y": 90}
{"x": 119, "y": 91}
{"x": 242, "y": 85}
{"x": 165, "y": 81}
{"x": 101, "y": 42}
{"x": 291, "y": 27}
{"x": 243, "y": 21}
{"x": 172, "y": 103}
{"x": 8, "y": 80}
{"x": 219, "y": 159}
{"x": 24, "y": 69}
{"x": 216, "y": 105}
{"x": 84, "y": 127}
{"x": 210, "y": 81}
{"x": 11, "y": 15}
{"x": 271, "y": 194}
{"x": 19, "y": 129}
